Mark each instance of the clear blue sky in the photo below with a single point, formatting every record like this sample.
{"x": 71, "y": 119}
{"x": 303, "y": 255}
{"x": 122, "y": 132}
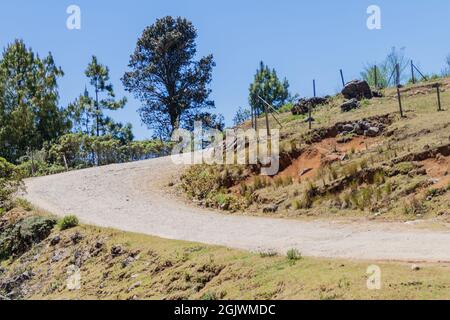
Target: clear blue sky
{"x": 301, "y": 39}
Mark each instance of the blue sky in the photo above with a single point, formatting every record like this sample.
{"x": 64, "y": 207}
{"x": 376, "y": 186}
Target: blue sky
{"x": 302, "y": 40}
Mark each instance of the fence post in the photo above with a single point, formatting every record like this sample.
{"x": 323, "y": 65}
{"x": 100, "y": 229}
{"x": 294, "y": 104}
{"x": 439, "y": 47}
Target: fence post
{"x": 376, "y": 76}
{"x": 255, "y": 116}
{"x": 438, "y": 97}
{"x": 397, "y": 73}
{"x": 342, "y": 77}
{"x": 412, "y": 73}
{"x": 314, "y": 87}
{"x": 399, "y": 101}
{"x": 267, "y": 120}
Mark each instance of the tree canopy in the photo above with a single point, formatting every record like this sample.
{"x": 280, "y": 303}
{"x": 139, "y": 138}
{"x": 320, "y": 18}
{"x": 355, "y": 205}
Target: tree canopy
{"x": 165, "y": 76}
{"x": 29, "y": 112}
{"x": 268, "y": 86}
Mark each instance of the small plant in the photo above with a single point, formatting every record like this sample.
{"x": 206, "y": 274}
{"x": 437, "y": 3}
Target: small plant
{"x": 351, "y": 169}
{"x": 413, "y": 206}
{"x": 268, "y": 253}
{"x": 210, "y": 296}
{"x": 68, "y": 222}
{"x": 363, "y": 164}
{"x": 293, "y": 254}
{"x": 379, "y": 178}
{"x": 24, "y": 204}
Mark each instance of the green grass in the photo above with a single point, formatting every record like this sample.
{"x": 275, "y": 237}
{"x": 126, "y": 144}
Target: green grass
{"x": 68, "y": 222}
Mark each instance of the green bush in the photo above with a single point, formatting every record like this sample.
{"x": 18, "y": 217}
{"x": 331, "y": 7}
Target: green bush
{"x": 10, "y": 183}
{"x": 68, "y": 222}
{"x": 404, "y": 167}
{"x": 19, "y": 237}
{"x": 293, "y": 255}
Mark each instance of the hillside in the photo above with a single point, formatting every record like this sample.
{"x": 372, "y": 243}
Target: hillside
{"x": 399, "y": 169}
{"x": 88, "y": 262}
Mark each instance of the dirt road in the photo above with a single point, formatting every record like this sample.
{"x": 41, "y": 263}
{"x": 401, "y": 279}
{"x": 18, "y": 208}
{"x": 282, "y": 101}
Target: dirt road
{"x": 134, "y": 197}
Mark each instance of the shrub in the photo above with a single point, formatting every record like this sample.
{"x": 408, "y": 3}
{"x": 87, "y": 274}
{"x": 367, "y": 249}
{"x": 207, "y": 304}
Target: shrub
{"x": 68, "y": 222}
{"x": 268, "y": 253}
{"x": 413, "y": 206}
{"x": 293, "y": 254}
{"x": 10, "y": 183}
{"x": 404, "y": 167}
{"x": 18, "y": 238}
{"x": 24, "y": 204}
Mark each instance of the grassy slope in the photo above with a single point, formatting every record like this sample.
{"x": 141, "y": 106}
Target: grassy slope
{"x": 422, "y": 126}
{"x": 166, "y": 269}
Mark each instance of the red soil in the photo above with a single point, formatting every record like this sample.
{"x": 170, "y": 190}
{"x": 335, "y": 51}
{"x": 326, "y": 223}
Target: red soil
{"x": 326, "y": 151}
{"x": 438, "y": 168}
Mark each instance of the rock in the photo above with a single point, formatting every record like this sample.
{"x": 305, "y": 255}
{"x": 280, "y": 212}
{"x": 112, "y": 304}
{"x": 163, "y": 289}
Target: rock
{"x": 270, "y": 208}
{"x": 98, "y": 245}
{"x": 80, "y": 257}
{"x": 127, "y": 262}
{"x": 55, "y": 240}
{"x": 377, "y": 94}
{"x": 116, "y": 250}
{"x": 134, "y": 286}
{"x": 357, "y": 89}
{"x": 58, "y": 256}
{"x": 303, "y": 105}
{"x": 13, "y": 284}
{"x": 415, "y": 267}
{"x": 350, "y": 105}
{"x": 348, "y": 127}
{"x": 372, "y": 132}
{"x": 76, "y": 237}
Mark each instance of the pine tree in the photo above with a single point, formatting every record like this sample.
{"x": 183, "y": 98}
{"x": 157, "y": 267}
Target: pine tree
{"x": 267, "y": 86}
{"x": 98, "y": 75}
{"x": 29, "y": 112}
{"x": 165, "y": 77}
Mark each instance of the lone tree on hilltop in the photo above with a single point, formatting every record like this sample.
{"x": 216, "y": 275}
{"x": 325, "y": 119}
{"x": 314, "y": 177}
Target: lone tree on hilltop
{"x": 172, "y": 86}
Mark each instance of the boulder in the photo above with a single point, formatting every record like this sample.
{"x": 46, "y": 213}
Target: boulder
{"x": 357, "y": 89}
{"x": 350, "y": 105}
{"x": 270, "y": 208}
{"x": 377, "y": 94}
{"x": 372, "y": 132}
{"x": 348, "y": 127}
{"x": 303, "y": 105}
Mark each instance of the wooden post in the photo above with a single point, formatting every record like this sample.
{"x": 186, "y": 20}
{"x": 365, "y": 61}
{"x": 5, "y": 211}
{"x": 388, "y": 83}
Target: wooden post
{"x": 342, "y": 77}
{"x": 310, "y": 116}
{"x": 438, "y": 97}
{"x": 267, "y": 120}
{"x": 251, "y": 114}
{"x": 399, "y": 100}
{"x": 32, "y": 163}
{"x": 65, "y": 162}
{"x": 397, "y": 70}
{"x": 314, "y": 87}
{"x": 413, "y": 78}
{"x": 256, "y": 118}
{"x": 376, "y": 77}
